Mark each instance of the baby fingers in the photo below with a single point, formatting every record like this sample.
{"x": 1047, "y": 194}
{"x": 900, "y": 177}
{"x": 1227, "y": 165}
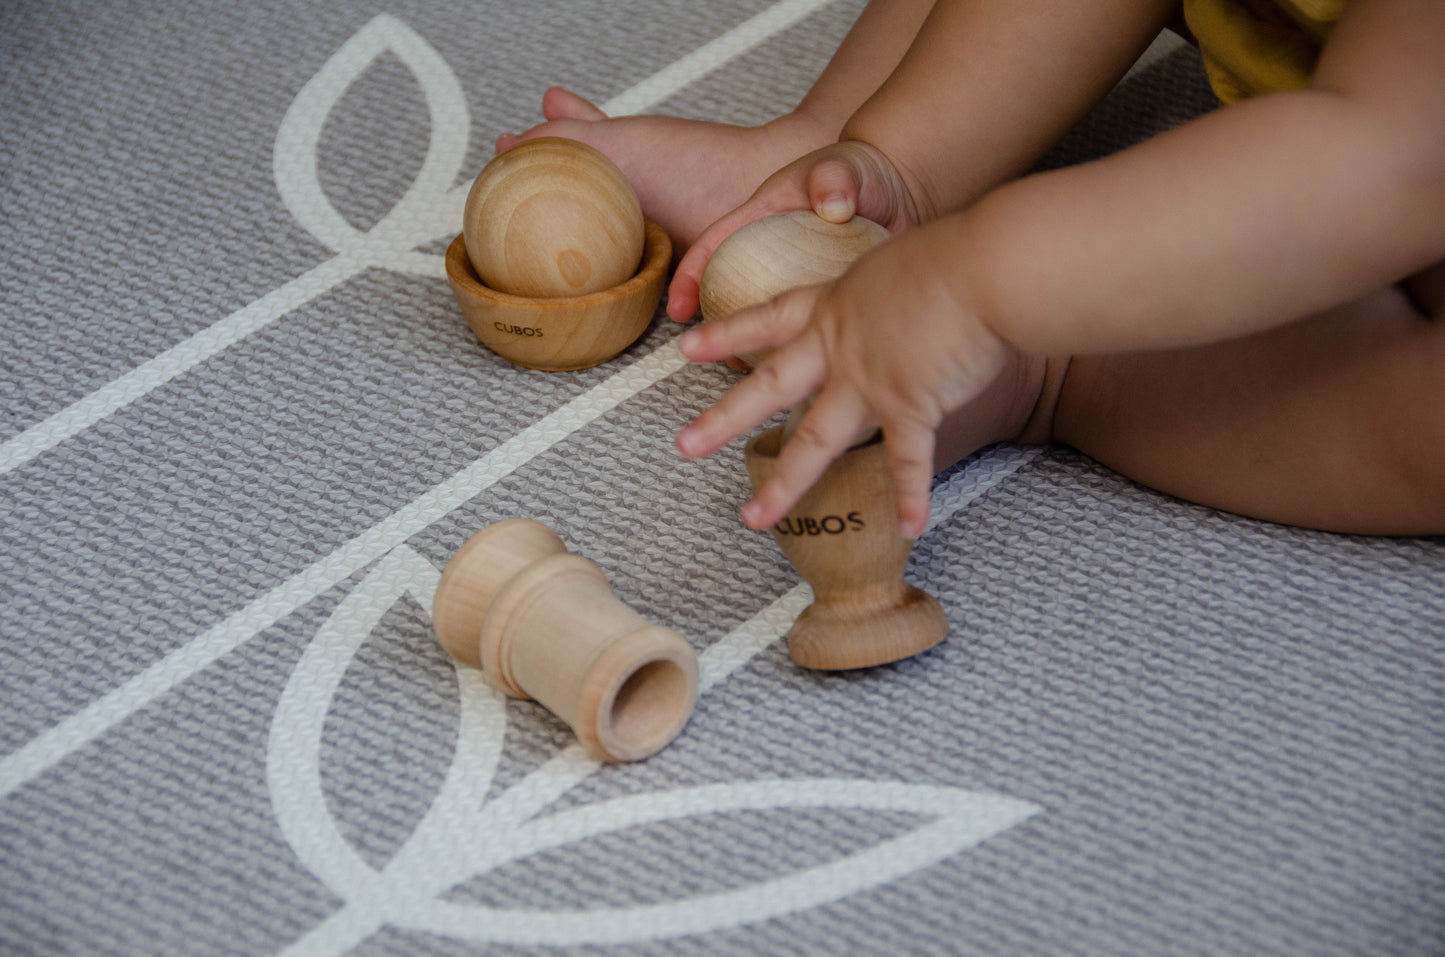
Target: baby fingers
{"x": 750, "y": 332}
{"x": 910, "y": 458}
{"x": 826, "y": 430}
{"x": 833, "y": 190}
{"x": 788, "y": 376}
{"x": 683, "y": 294}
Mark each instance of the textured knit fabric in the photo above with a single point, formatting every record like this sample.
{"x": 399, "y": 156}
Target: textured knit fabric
{"x": 244, "y": 425}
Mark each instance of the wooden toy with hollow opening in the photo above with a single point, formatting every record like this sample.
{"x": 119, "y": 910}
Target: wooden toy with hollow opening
{"x": 544, "y": 624}
{"x": 556, "y": 268}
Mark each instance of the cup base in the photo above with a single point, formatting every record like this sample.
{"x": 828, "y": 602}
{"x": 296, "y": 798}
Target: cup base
{"x": 841, "y": 636}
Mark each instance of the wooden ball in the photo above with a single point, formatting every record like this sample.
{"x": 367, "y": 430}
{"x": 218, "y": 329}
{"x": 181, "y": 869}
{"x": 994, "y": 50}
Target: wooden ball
{"x": 553, "y": 217}
{"x": 776, "y": 253}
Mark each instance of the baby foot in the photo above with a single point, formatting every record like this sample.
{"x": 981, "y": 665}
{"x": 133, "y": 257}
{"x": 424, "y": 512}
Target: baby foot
{"x": 687, "y": 173}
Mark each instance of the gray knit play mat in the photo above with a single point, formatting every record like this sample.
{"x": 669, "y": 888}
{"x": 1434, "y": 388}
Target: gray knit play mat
{"x": 245, "y": 427}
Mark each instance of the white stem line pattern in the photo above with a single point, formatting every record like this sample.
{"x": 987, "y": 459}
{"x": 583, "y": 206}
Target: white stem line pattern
{"x": 430, "y": 209}
{"x": 463, "y": 835}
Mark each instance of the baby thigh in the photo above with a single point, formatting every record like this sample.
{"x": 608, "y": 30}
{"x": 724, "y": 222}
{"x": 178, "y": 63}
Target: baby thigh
{"x": 1332, "y": 422}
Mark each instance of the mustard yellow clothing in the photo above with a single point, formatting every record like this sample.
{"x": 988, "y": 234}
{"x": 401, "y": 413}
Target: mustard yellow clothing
{"x": 1259, "y": 46}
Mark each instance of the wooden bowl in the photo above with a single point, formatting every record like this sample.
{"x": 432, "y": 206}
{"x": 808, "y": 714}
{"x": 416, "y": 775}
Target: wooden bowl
{"x": 560, "y": 334}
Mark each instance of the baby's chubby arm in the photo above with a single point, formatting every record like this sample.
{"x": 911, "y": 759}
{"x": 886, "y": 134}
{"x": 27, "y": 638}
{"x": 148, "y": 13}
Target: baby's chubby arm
{"x": 983, "y": 90}
{"x": 1251, "y": 217}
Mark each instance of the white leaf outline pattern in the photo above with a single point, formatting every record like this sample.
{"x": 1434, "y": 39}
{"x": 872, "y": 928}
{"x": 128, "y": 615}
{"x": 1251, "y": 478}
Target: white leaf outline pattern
{"x": 431, "y": 204}
{"x": 294, "y": 746}
{"x": 427, "y": 211}
{"x": 462, "y": 835}
{"x": 961, "y": 819}
{"x": 388, "y": 244}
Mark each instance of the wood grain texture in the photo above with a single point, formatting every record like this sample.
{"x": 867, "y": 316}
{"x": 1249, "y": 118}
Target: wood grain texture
{"x": 553, "y": 217}
{"x": 843, "y": 538}
{"x": 544, "y": 624}
{"x": 780, "y": 252}
{"x": 561, "y": 334}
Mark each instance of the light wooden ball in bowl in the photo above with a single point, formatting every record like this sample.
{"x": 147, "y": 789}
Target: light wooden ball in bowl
{"x": 779, "y": 252}
{"x": 553, "y": 217}
{"x": 558, "y": 334}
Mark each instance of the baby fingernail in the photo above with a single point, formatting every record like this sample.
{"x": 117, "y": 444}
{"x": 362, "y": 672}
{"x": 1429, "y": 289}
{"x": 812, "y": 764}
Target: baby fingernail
{"x": 688, "y": 442}
{"x": 835, "y": 209}
{"x": 751, "y": 512}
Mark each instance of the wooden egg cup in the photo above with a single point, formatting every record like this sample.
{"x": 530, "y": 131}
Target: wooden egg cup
{"x": 563, "y": 333}
{"x": 544, "y": 624}
{"x": 843, "y": 538}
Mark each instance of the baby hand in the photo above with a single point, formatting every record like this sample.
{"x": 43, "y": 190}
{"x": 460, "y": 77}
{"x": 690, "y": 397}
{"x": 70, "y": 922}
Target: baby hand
{"x": 686, "y": 173}
{"x": 836, "y": 182}
{"x": 894, "y": 343}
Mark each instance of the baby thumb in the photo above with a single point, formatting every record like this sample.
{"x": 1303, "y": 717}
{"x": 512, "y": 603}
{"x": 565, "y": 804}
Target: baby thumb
{"x": 833, "y": 190}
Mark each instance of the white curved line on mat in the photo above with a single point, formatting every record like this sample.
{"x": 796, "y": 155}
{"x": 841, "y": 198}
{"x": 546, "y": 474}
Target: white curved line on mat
{"x": 961, "y": 819}
{"x": 752, "y": 32}
{"x": 462, "y": 835}
{"x": 293, "y": 751}
{"x": 430, "y": 209}
{"x": 54, "y": 744}
{"x": 388, "y": 243}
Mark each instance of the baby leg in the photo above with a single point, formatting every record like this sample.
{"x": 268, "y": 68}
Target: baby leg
{"x": 1334, "y": 422}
